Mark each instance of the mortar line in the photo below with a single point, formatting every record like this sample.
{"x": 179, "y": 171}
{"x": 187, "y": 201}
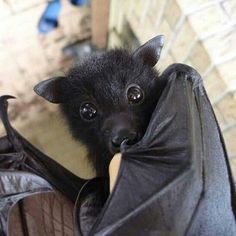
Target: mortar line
{"x": 203, "y": 7}
{"x": 195, "y": 41}
{"x": 223, "y": 95}
{"x": 144, "y": 14}
{"x": 174, "y": 34}
{"x": 228, "y": 127}
{"x": 159, "y": 19}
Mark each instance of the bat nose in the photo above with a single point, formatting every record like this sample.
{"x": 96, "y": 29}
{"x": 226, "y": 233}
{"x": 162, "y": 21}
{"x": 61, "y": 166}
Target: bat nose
{"x": 121, "y": 135}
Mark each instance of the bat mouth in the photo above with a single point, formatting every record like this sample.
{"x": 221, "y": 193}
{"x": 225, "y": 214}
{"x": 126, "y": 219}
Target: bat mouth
{"x": 118, "y": 148}
{"x": 115, "y": 148}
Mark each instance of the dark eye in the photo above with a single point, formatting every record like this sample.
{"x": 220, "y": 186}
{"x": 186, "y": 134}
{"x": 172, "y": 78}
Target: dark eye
{"x": 135, "y": 94}
{"x": 88, "y": 111}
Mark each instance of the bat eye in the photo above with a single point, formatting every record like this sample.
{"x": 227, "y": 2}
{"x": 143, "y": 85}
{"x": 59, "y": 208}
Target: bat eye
{"x": 135, "y": 94}
{"x": 88, "y": 111}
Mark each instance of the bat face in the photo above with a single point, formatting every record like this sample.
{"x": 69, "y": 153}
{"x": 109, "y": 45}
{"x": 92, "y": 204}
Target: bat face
{"x": 112, "y": 97}
{"x": 108, "y": 99}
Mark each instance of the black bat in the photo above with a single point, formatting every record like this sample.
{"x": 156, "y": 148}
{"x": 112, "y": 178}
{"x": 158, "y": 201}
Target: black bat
{"x": 108, "y": 98}
{"x": 176, "y": 180}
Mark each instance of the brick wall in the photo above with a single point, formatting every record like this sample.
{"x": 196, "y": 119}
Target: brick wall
{"x": 200, "y": 33}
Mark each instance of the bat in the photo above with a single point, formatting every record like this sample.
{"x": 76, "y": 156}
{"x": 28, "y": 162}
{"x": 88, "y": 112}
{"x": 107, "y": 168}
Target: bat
{"x": 175, "y": 180}
{"x": 108, "y": 98}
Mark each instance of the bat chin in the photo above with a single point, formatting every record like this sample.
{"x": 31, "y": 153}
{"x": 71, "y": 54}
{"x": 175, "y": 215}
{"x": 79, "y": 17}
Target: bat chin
{"x": 113, "y": 150}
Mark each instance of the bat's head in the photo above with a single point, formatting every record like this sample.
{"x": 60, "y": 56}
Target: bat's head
{"x": 108, "y": 98}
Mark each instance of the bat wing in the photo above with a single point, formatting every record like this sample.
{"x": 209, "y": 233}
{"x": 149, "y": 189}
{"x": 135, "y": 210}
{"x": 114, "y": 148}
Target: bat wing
{"x": 176, "y": 180}
{"x": 25, "y": 171}
{"x": 14, "y": 186}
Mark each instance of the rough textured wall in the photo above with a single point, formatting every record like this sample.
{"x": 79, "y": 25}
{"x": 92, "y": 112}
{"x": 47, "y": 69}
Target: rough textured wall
{"x": 27, "y": 58}
{"x": 200, "y": 33}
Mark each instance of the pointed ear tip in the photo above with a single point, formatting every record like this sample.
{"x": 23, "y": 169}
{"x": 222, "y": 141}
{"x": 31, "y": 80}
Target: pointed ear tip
{"x": 41, "y": 89}
{"x": 50, "y": 89}
{"x": 37, "y": 88}
{"x": 161, "y": 39}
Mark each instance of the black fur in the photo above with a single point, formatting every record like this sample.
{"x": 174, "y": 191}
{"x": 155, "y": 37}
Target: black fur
{"x": 103, "y": 79}
{"x": 108, "y": 99}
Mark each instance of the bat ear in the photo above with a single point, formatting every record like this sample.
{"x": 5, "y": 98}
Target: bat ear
{"x": 53, "y": 90}
{"x": 150, "y": 52}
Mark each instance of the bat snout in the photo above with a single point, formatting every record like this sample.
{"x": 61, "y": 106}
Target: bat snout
{"x": 122, "y": 135}
{"x": 131, "y": 136}
{"x": 118, "y": 128}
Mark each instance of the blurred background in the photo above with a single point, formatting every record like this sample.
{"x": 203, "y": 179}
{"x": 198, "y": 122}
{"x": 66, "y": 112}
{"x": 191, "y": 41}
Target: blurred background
{"x": 40, "y": 39}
